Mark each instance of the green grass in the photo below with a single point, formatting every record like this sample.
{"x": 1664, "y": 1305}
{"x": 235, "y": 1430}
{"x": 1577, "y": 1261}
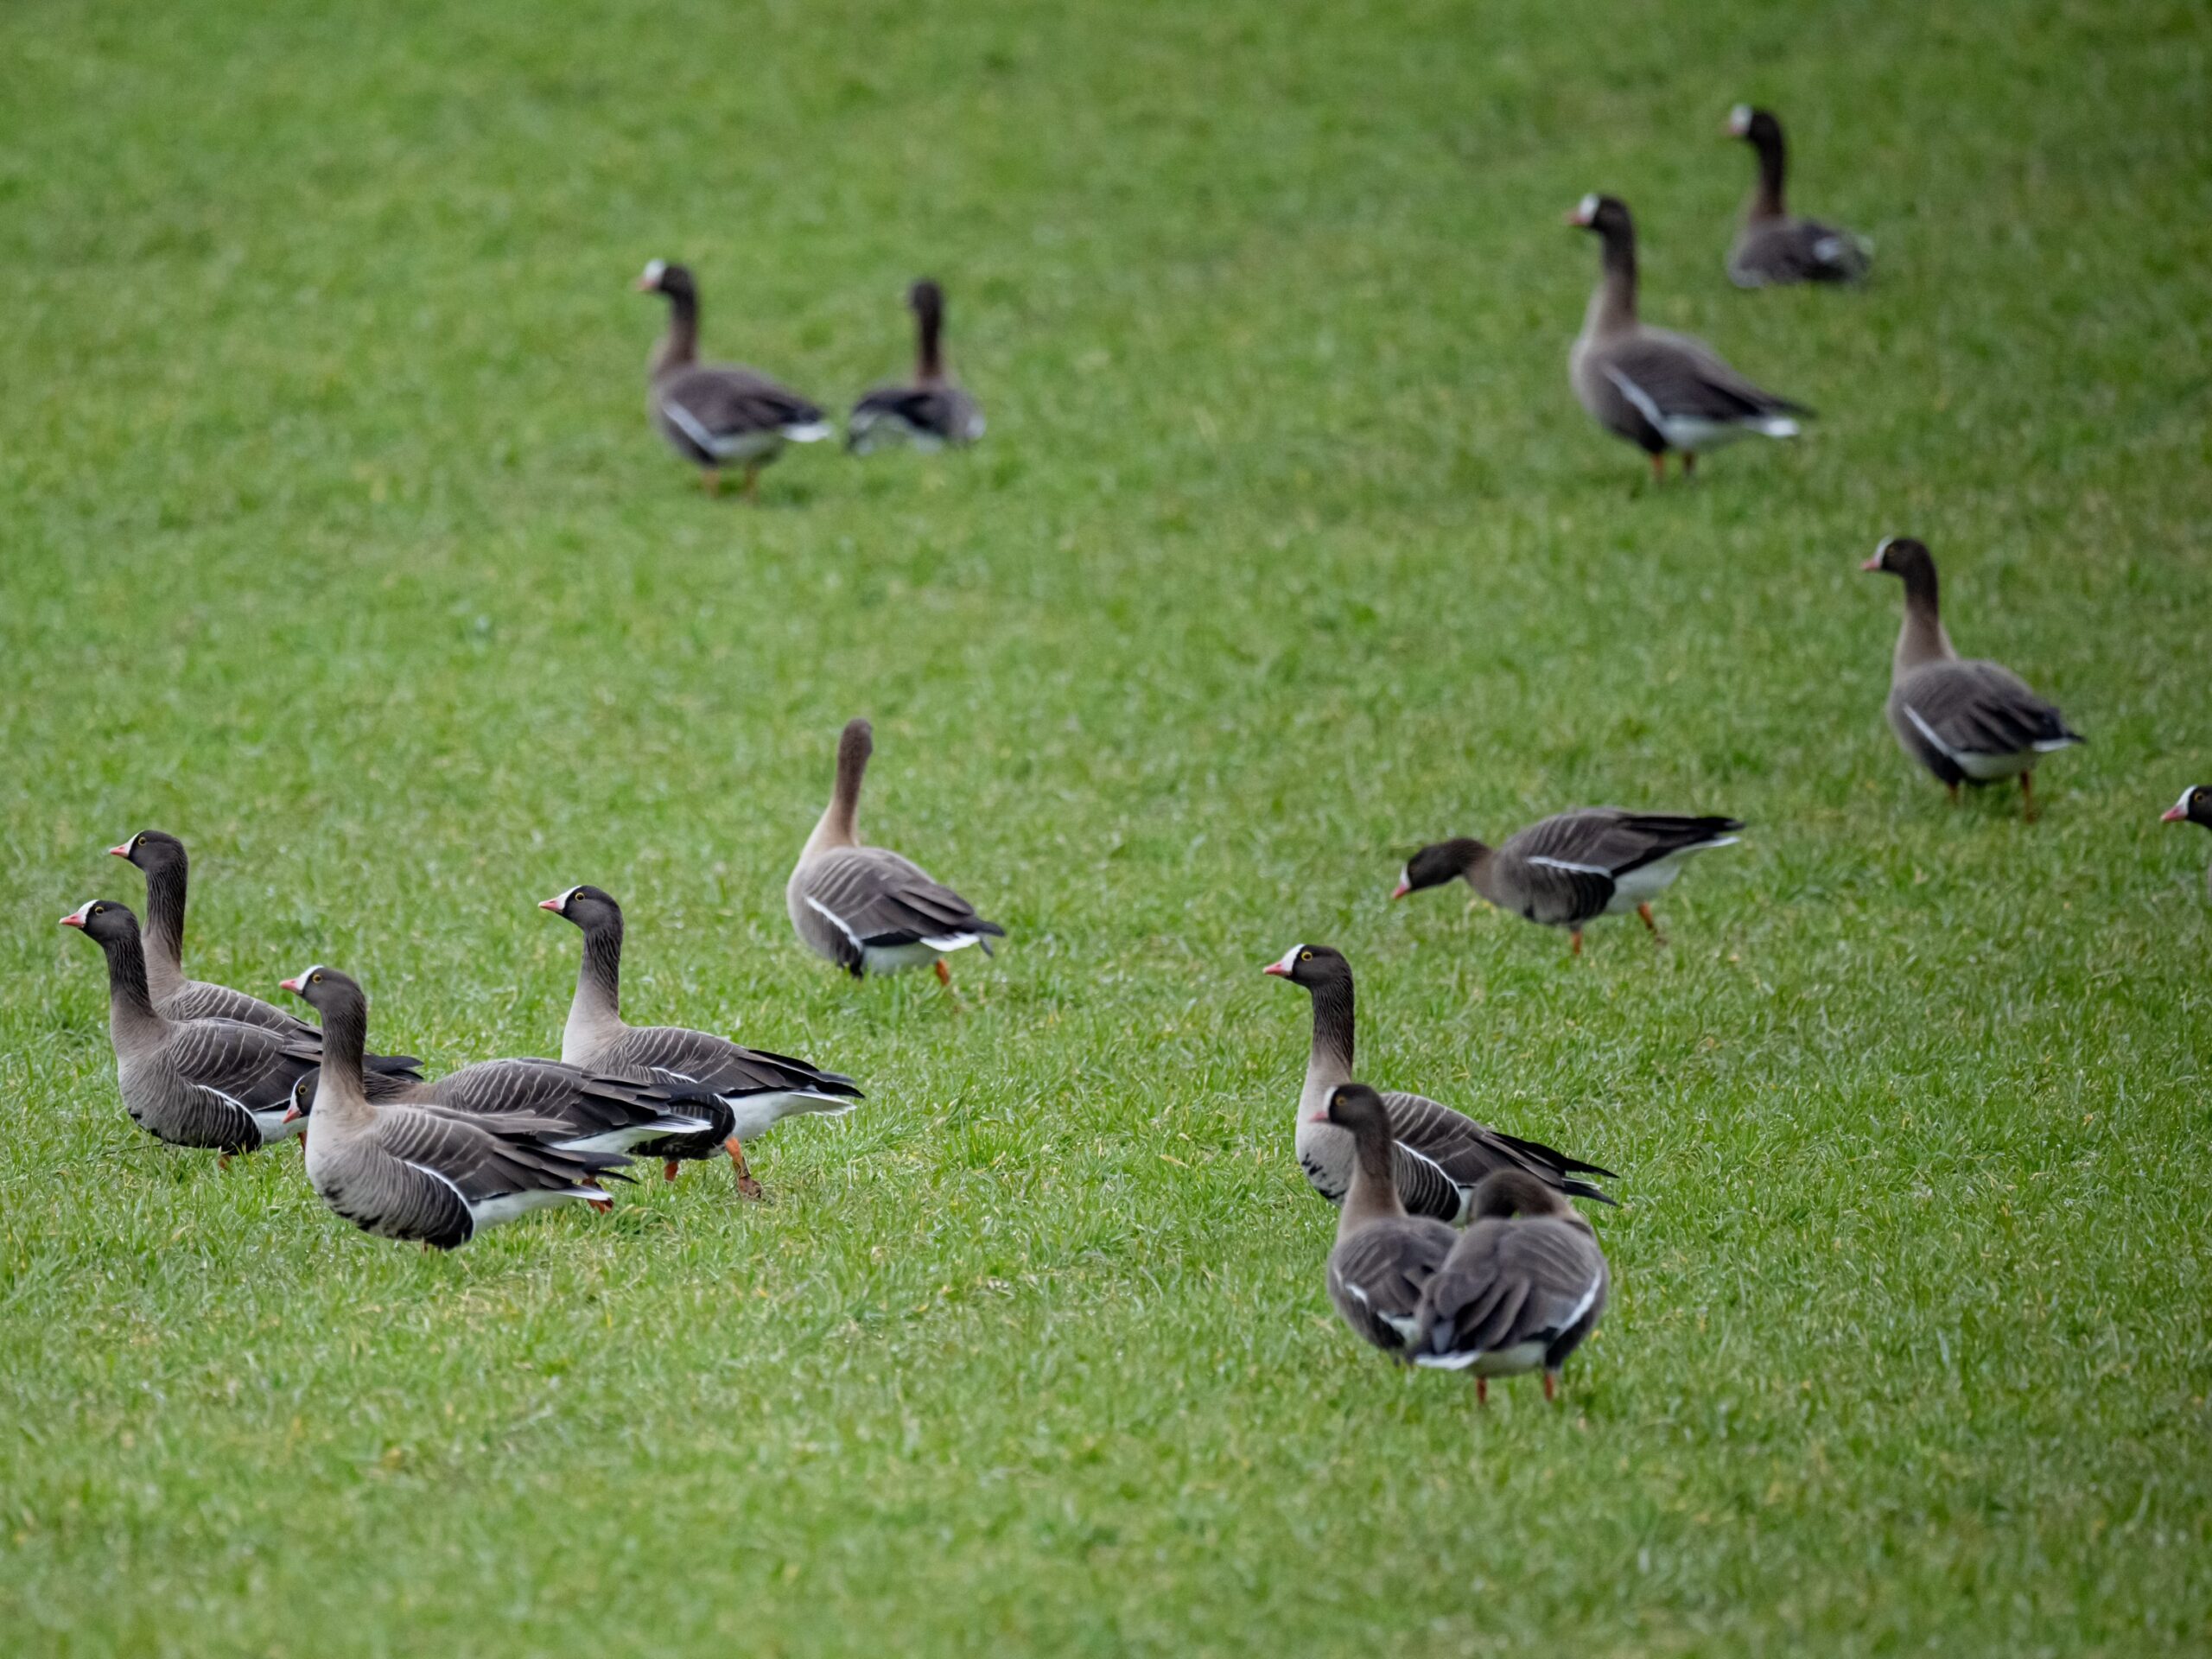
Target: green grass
{"x": 332, "y": 538}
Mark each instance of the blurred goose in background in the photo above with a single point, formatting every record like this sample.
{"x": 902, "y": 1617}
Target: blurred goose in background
{"x": 1574, "y": 867}
{"x": 866, "y": 908}
{"x": 931, "y": 412}
{"x": 1383, "y": 1257}
{"x": 1659, "y": 389}
{"x": 1774, "y": 246}
{"x": 1441, "y": 1155}
{"x": 1523, "y": 1287}
{"x": 2195, "y": 806}
{"x": 1966, "y": 721}
{"x": 714, "y": 415}
{"x": 741, "y": 1092}
{"x": 599, "y": 1113}
{"x": 419, "y": 1172}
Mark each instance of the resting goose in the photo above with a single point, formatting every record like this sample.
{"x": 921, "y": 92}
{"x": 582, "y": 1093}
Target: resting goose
{"x": 1383, "y": 1257}
{"x": 1441, "y": 1154}
{"x": 599, "y": 1113}
{"x": 410, "y": 1172}
{"x": 866, "y": 908}
{"x": 715, "y": 414}
{"x": 1968, "y": 721}
{"x": 216, "y": 1084}
{"x": 931, "y": 412}
{"x": 1775, "y": 246}
{"x": 743, "y": 1092}
{"x": 1659, "y": 389}
{"x": 2195, "y": 806}
{"x": 1524, "y": 1285}
{"x": 1574, "y": 867}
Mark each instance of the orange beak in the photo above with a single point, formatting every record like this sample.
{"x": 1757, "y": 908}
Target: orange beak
{"x": 123, "y": 851}
{"x": 291, "y": 985}
{"x": 553, "y": 905}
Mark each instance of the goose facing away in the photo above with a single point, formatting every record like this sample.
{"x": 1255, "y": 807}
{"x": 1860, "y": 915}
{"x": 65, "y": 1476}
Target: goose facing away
{"x": 740, "y": 1092}
{"x": 2195, "y": 806}
{"x": 1774, "y": 246}
{"x": 1660, "y": 391}
{"x": 1968, "y": 721}
{"x": 866, "y": 908}
{"x": 1573, "y": 868}
{"x": 931, "y": 412}
{"x": 1439, "y": 1156}
{"x": 1521, "y": 1289}
{"x": 1383, "y": 1257}
{"x": 716, "y": 415}
{"x": 420, "y": 1173}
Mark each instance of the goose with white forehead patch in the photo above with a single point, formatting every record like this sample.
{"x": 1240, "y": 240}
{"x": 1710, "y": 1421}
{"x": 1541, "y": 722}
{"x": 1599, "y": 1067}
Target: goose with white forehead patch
{"x": 931, "y": 412}
{"x": 1383, "y": 1257}
{"x": 2195, "y": 806}
{"x": 1774, "y": 246}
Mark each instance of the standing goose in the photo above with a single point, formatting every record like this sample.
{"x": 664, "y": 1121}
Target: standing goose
{"x": 715, "y": 414}
{"x": 598, "y": 1112}
{"x": 743, "y": 1092}
{"x": 1774, "y": 246}
{"x": 1574, "y": 867}
{"x": 866, "y": 908}
{"x": 216, "y": 1084}
{"x": 1383, "y": 1257}
{"x": 417, "y": 1173}
{"x": 1524, "y": 1285}
{"x": 1966, "y": 721}
{"x": 1659, "y": 389}
{"x": 1441, "y": 1155}
{"x": 2195, "y": 806}
{"x": 931, "y": 412}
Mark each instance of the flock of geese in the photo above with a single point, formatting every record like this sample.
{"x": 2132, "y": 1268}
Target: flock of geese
{"x": 1457, "y": 1245}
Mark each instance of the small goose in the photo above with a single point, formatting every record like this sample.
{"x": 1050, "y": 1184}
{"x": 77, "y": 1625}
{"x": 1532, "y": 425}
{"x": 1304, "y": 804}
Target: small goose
{"x": 599, "y": 1113}
{"x": 1383, "y": 1257}
{"x": 1574, "y": 867}
{"x": 1524, "y": 1285}
{"x": 931, "y": 413}
{"x": 1774, "y": 246}
{"x": 866, "y": 908}
{"x": 1966, "y": 722}
{"x": 743, "y": 1092}
{"x": 1441, "y": 1154}
{"x": 715, "y": 414}
{"x": 1659, "y": 389}
{"x": 2195, "y": 806}
{"x": 215, "y": 1083}
{"x": 419, "y": 1172}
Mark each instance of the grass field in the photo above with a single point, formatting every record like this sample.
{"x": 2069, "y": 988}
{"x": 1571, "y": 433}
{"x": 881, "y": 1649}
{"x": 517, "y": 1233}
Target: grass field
{"x": 335, "y": 542}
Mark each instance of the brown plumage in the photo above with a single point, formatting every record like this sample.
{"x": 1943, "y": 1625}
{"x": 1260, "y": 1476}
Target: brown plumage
{"x": 1382, "y": 1257}
{"x": 929, "y": 412}
{"x": 1773, "y": 245}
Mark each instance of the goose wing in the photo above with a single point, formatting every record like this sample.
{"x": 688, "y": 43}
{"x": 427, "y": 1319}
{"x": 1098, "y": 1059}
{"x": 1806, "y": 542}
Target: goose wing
{"x": 872, "y": 897}
{"x": 1981, "y": 709}
{"x": 717, "y": 406}
{"x": 1442, "y": 1154}
{"x": 1509, "y": 1283}
{"x": 1377, "y": 1275}
{"x": 1672, "y": 377}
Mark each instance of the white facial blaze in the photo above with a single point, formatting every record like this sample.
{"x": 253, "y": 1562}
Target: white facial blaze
{"x": 1739, "y": 119}
{"x": 570, "y": 894}
{"x": 76, "y": 917}
{"x": 655, "y": 269}
{"x": 1882, "y": 547}
{"x": 1586, "y": 209}
{"x": 1289, "y": 959}
{"x": 2182, "y": 806}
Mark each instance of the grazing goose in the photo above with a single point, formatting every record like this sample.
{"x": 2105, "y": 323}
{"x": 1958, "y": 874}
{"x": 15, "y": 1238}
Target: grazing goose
{"x": 1966, "y": 722}
{"x": 931, "y": 412}
{"x": 1383, "y": 1257}
{"x": 410, "y": 1172}
{"x": 2195, "y": 807}
{"x": 866, "y": 908}
{"x": 1574, "y": 867}
{"x": 601, "y": 1113}
{"x": 715, "y": 414}
{"x": 216, "y": 1084}
{"x": 743, "y": 1092}
{"x": 1523, "y": 1287}
{"x": 1774, "y": 246}
{"x": 1442, "y": 1155}
{"x": 1659, "y": 389}
{"x": 161, "y": 858}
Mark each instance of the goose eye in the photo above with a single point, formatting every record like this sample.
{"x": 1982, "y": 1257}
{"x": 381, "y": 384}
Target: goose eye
{"x": 317, "y": 978}
{"x": 1305, "y": 955}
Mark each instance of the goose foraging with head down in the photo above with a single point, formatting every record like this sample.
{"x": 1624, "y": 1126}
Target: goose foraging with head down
{"x": 931, "y": 413}
{"x": 1383, "y": 1257}
{"x": 1774, "y": 246}
{"x": 1660, "y": 391}
{"x": 715, "y": 413}
{"x": 866, "y": 908}
{"x": 2195, "y": 806}
{"x": 1966, "y": 720}
{"x": 1441, "y": 1155}
{"x": 743, "y": 1092}
{"x": 1574, "y": 867}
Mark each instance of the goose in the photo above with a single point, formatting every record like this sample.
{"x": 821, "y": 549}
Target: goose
{"x": 1575, "y": 866}
{"x": 715, "y": 414}
{"x": 1966, "y": 721}
{"x": 1383, "y": 1257}
{"x": 2195, "y": 806}
{"x": 416, "y": 1173}
{"x": 866, "y": 908}
{"x": 931, "y": 412}
{"x": 1521, "y": 1289}
{"x": 1774, "y": 246}
{"x": 220, "y": 1084}
{"x": 743, "y": 1092}
{"x": 1441, "y": 1154}
{"x": 601, "y": 1113}
{"x": 1660, "y": 391}
{"x": 161, "y": 858}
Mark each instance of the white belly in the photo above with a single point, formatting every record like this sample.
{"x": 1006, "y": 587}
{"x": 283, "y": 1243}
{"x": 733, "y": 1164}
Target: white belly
{"x": 1986, "y": 768}
{"x": 898, "y": 958}
{"x": 1509, "y": 1362}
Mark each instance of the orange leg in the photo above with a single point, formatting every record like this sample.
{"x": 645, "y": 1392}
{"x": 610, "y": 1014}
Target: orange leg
{"x": 1482, "y": 1390}
{"x": 1689, "y": 462}
{"x": 1953, "y": 788}
{"x": 222, "y": 1161}
{"x": 1551, "y": 1385}
{"x": 710, "y": 479}
{"x": 1574, "y": 949}
{"x": 746, "y": 1186}
{"x": 944, "y": 973}
{"x": 668, "y": 1170}
{"x": 1657, "y": 937}
{"x": 2028, "y": 793}
{"x": 753, "y": 481}
{"x": 601, "y": 1205}
{"x": 1659, "y": 467}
